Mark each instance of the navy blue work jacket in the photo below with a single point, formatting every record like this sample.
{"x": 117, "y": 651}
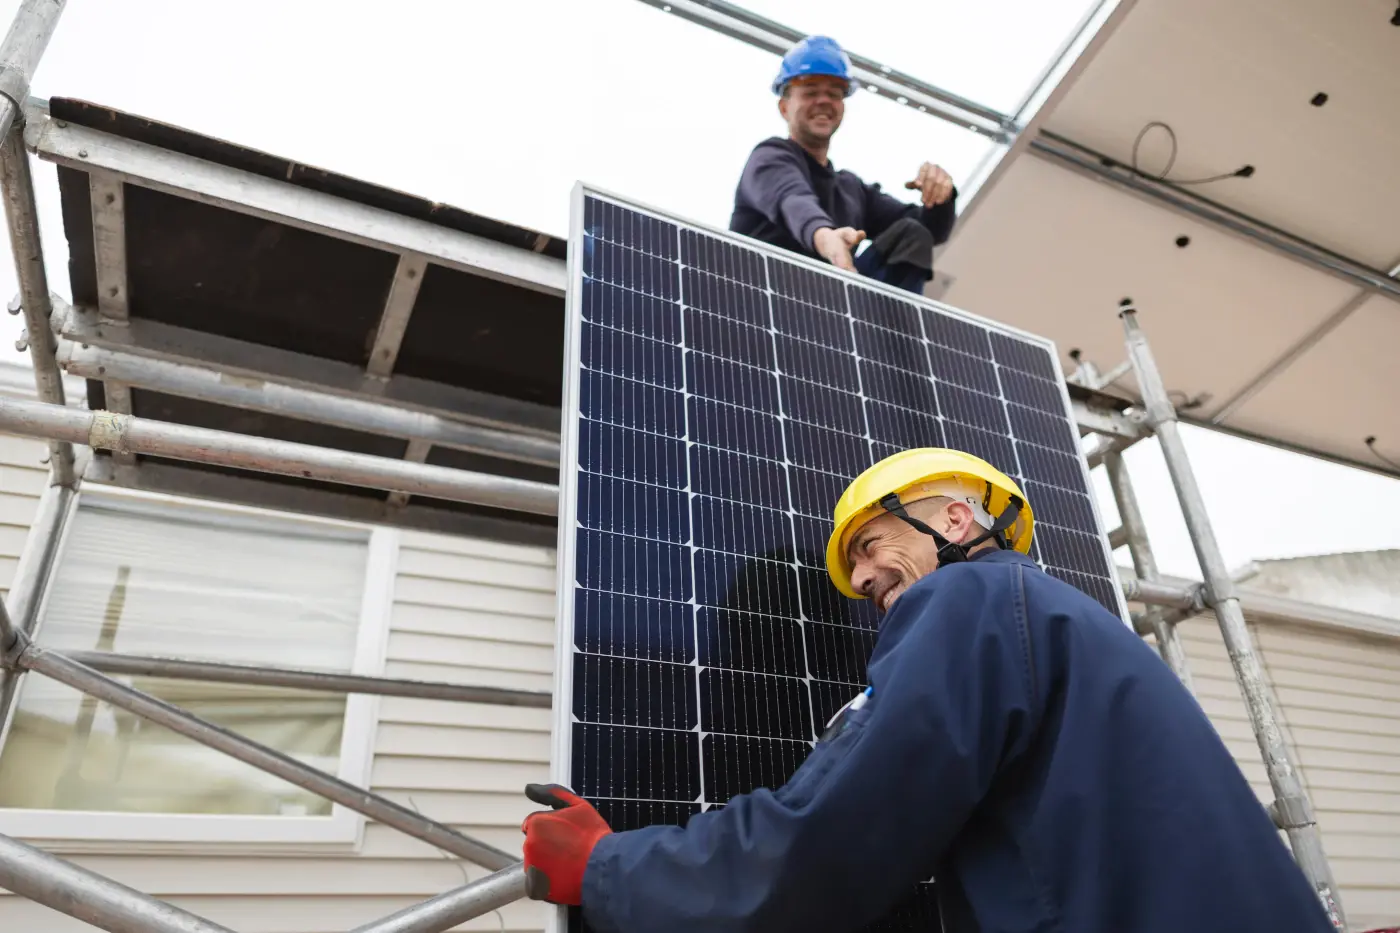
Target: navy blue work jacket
{"x": 1023, "y": 747}
{"x": 784, "y": 196}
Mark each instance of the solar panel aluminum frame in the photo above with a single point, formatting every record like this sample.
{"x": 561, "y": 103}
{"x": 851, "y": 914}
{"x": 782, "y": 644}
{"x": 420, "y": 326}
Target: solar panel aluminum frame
{"x": 561, "y": 757}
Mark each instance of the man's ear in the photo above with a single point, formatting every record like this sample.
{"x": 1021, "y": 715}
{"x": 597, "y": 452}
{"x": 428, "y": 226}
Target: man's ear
{"x": 960, "y": 522}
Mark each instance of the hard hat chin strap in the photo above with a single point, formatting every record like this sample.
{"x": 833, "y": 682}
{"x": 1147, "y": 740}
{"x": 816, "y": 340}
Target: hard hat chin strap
{"x": 948, "y": 552}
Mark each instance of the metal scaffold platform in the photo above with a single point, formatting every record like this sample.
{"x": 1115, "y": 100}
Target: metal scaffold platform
{"x": 262, "y": 332}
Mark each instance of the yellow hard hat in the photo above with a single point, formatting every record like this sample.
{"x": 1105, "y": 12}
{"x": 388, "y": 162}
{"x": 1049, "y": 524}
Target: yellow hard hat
{"x": 920, "y": 473}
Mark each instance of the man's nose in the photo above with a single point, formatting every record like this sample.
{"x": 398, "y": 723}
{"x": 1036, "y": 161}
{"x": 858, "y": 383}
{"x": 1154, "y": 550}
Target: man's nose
{"x": 862, "y": 578}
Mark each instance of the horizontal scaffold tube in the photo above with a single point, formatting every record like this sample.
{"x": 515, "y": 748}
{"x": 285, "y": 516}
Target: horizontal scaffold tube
{"x": 1164, "y": 594}
{"x": 141, "y": 666}
{"x": 107, "y": 431}
{"x": 453, "y": 908}
{"x": 210, "y": 385}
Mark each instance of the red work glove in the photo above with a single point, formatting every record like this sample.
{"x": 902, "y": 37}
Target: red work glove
{"x": 559, "y": 841}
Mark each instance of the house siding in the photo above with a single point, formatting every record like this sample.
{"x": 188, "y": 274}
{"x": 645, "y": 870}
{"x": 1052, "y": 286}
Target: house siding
{"x": 1340, "y": 697}
{"x": 24, "y": 473}
{"x": 464, "y": 611}
{"x": 1337, "y": 695}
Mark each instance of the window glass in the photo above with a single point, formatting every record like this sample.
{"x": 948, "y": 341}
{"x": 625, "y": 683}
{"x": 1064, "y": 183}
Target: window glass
{"x": 194, "y": 583}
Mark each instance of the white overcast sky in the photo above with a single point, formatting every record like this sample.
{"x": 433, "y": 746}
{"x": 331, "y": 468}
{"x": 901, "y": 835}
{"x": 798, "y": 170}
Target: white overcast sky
{"x": 500, "y": 107}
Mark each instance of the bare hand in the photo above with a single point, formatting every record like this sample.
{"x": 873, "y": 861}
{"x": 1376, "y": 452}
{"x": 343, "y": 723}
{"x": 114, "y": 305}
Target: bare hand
{"x": 835, "y": 245}
{"x": 934, "y": 185}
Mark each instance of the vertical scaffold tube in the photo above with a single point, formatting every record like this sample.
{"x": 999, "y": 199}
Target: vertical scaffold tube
{"x": 1292, "y": 810}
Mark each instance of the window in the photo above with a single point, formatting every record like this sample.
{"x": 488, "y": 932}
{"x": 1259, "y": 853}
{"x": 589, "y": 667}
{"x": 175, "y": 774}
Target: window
{"x": 148, "y": 575}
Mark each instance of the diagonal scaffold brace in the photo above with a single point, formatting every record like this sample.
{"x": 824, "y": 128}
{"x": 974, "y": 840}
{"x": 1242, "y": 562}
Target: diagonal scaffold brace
{"x": 70, "y": 889}
{"x": 77, "y": 892}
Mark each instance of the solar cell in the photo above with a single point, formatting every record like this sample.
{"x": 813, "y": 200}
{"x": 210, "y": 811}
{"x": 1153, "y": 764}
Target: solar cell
{"x": 720, "y": 395}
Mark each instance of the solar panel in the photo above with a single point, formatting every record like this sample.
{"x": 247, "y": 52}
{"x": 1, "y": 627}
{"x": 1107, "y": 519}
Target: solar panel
{"x": 719, "y": 396}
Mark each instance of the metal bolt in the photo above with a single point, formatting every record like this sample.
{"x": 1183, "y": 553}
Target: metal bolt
{"x": 82, "y": 153}
{"x": 16, "y": 305}
{"x": 22, "y": 343}
{"x": 62, "y": 124}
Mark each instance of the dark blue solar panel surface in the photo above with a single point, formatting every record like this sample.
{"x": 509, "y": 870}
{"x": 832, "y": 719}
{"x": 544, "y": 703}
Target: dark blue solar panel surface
{"x": 725, "y": 397}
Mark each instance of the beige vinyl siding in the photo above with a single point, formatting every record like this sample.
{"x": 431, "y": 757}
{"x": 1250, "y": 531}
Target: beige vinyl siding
{"x": 466, "y": 611}
{"x": 23, "y": 476}
{"x": 1340, "y": 694}
{"x": 1338, "y": 699}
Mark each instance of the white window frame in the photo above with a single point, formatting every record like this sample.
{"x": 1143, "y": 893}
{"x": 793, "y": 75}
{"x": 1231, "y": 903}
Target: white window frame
{"x": 155, "y": 833}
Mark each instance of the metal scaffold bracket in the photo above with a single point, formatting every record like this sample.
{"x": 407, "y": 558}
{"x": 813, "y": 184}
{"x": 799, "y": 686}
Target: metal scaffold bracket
{"x": 1291, "y": 813}
{"x": 108, "y": 432}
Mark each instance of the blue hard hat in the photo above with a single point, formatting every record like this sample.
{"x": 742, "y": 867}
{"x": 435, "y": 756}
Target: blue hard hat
{"x": 815, "y": 55}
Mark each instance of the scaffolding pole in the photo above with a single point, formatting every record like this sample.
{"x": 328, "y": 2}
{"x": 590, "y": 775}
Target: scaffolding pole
{"x": 1145, "y": 564}
{"x": 210, "y": 385}
{"x": 447, "y": 910}
{"x": 1292, "y": 809}
{"x": 58, "y": 884}
{"x": 209, "y": 672}
{"x": 88, "y": 681}
{"x": 123, "y": 433}
{"x": 29, "y": 35}
{"x": 1152, "y": 593}
{"x": 21, "y": 609}
{"x": 24, "y": 44}
{"x": 36, "y": 563}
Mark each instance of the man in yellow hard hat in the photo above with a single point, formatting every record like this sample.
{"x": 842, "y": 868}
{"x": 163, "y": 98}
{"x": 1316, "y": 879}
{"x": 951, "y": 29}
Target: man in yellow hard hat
{"x": 1017, "y": 742}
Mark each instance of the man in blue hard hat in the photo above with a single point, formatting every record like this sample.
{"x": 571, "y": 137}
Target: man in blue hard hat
{"x": 790, "y": 195}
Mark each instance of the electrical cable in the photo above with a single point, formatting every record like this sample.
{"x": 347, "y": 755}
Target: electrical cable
{"x": 466, "y": 877}
{"x": 1186, "y": 403}
{"x": 1371, "y": 446}
{"x": 1243, "y": 171}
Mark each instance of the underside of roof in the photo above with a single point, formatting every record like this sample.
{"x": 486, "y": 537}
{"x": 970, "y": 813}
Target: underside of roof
{"x": 252, "y": 296}
{"x": 1252, "y": 341}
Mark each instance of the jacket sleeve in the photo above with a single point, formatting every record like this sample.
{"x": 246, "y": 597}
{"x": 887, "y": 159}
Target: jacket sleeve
{"x": 882, "y": 209}
{"x": 776, "y": 185}
{"x": 870, "y": 813}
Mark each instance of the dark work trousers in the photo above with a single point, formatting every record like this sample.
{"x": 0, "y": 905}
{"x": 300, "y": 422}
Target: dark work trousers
{"x": 902, "y": 256}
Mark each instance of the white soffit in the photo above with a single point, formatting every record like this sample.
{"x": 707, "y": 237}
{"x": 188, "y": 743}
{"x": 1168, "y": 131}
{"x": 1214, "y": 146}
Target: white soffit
{"x": 1235, "y": 80}
{"x": 1341, "y": 391}
{"x": 1053, "y": 252}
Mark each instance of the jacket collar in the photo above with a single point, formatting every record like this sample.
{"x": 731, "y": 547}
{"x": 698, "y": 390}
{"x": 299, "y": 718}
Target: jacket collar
{"x": 905, "y": 615}
{"x": 1002, "y": 557}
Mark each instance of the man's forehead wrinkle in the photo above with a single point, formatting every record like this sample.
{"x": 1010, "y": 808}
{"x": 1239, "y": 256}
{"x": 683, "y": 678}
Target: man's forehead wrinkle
{"x": 872, "y": 529}
{"x": 861, "y": 537}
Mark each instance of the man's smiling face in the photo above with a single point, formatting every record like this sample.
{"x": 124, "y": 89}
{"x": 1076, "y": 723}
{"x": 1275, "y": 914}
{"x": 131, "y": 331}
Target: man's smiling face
{"x": 888, "y": 555}
{"x": 813, "y": 108}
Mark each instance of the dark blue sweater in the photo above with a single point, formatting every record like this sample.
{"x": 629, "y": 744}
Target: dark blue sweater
{"x": 784, "y": 196}
{"x": 1022, "y": 746}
